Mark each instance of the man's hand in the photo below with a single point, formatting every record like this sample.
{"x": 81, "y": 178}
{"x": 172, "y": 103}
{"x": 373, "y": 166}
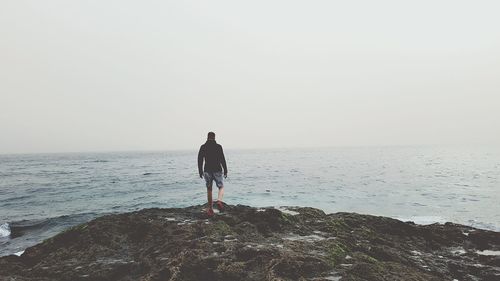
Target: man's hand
{"x": 225, "y": 175}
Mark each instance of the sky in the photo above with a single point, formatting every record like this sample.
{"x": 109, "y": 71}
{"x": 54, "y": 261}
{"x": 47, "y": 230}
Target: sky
{"x": 86, "y": 75}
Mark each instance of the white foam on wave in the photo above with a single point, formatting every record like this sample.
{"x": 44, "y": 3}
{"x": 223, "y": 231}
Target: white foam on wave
{"x": 19, "y": 253}
{"x": 426, "y": 220}
{"x": 286, "y": 211}
{"x": 423, "y": 220}
{"x": 4, "y": 230}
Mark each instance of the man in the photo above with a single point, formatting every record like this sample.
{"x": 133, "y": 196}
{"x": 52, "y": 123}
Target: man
{"x": 215, "y": 164}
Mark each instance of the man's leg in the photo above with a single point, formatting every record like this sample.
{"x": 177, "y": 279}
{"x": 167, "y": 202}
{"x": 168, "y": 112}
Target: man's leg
{"x": 220, "y": 185}
{"x": 209, "y": 181}
{"x": 209, "y": 197}
{"x": 220, "y": 205}
{"x": 221, "y": 194}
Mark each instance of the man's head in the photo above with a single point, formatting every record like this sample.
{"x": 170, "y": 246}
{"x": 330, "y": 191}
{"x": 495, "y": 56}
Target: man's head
{"x": 211, "y": 136}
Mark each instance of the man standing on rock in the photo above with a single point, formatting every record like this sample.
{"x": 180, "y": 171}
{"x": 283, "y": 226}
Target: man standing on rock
{"x": 215, "y": 164}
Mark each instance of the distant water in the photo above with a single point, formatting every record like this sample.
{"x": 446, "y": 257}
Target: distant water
{"x": 43, "y": 194}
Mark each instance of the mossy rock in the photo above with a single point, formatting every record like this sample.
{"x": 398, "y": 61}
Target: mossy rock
{"x": 336, "y": 252}
{"x": 219, "y": 228}
{"x": 288, "y": 218}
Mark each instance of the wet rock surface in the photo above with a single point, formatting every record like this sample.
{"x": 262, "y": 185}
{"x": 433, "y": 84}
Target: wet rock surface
{"x": 246, "y": 243}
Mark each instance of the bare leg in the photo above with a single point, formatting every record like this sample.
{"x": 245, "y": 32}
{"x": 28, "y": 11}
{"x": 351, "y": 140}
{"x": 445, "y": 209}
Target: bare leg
{"x": 209, "y": 197}
{"x": 221, "y": 194}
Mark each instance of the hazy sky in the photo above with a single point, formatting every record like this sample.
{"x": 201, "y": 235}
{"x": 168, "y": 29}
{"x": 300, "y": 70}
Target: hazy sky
{"x": 146, "y": 75}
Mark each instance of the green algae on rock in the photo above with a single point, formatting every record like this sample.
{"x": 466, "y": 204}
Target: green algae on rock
{"x": 246, "y": 243}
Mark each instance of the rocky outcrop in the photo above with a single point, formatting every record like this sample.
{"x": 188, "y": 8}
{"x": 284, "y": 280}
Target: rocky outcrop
{"x": 246, "y": 243}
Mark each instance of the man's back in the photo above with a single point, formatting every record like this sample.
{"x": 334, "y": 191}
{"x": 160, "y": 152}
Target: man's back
{"x": 214, "y": 158}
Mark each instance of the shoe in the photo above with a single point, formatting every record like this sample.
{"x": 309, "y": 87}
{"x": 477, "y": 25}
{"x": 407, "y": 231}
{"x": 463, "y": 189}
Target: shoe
{"x": 220, "y": 206}
{"x": 210, "y": 212}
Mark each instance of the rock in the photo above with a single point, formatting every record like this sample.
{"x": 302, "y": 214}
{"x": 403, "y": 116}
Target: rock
{"x": 246, "y": 243}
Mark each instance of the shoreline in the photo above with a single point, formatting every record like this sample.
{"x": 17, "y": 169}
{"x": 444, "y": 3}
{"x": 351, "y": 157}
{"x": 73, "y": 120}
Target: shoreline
{"x": 17, "y": 228}
{"x": 249, "y": 243}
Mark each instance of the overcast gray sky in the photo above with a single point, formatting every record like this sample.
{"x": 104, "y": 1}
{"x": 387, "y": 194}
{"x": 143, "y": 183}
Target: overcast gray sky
{"x": 147, "y": 75}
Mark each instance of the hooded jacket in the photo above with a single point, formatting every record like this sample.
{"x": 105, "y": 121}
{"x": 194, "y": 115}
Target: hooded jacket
{"x": 214, "y": 158}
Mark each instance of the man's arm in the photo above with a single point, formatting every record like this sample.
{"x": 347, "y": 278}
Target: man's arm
{"x": 201, "y": 155}
{"x": 223, "y": 161}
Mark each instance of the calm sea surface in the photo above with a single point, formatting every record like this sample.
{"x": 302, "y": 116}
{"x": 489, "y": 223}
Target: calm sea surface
{"x": 42, "y": 194}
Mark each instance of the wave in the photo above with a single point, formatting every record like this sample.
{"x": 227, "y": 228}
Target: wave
{"x": 19, "y": 253}
{"x": 18, "y": 235}
{"x": 423, "y": 220}
{"x": 24, "y": 227}
{"x": 5, "y": 230}
{"x": 96, "y": 161}
{"x": 426, "y": 220}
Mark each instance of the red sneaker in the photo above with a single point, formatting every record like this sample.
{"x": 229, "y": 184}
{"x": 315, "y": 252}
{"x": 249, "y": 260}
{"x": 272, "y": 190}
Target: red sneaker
{"x": 220, "y": 206}
{"x": 210, "y": 212}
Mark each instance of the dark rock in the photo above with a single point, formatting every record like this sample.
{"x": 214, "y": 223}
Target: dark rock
{"x": 245, "y": 243}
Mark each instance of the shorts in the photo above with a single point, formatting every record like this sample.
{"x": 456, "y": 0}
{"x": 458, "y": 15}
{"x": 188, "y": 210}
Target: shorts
{"x": 213, "y": 176}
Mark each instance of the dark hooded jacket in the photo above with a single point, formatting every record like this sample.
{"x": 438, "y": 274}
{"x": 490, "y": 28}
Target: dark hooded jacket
{"x": 213, "y": 154}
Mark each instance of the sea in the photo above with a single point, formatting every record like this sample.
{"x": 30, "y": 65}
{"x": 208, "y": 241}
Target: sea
{"x": 44, "y": 194}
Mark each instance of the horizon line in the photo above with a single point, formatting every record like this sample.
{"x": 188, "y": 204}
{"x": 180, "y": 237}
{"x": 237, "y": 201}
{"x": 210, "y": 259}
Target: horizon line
{"x": 246, "y": 148}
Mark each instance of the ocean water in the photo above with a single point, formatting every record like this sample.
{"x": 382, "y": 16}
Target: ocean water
{"x": 43, "y": 194}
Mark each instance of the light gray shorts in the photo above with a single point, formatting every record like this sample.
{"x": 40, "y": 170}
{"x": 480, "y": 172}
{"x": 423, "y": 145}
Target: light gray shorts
{"x": 213, "y": 176}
